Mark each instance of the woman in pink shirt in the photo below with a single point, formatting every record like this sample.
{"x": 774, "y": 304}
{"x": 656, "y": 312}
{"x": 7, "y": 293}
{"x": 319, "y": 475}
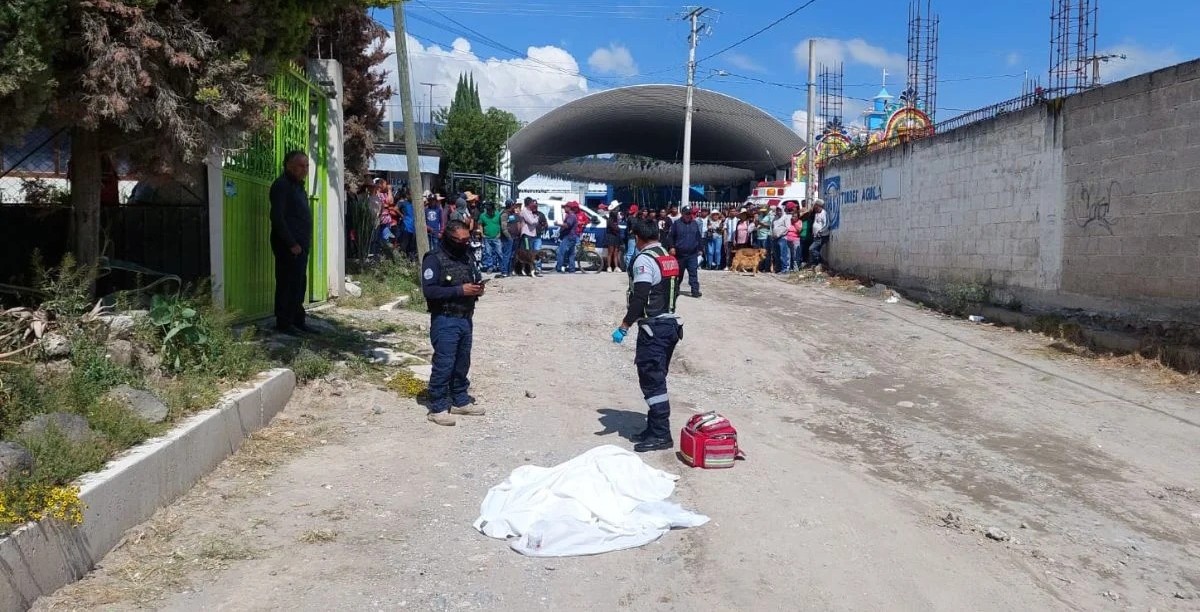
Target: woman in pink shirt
{"x": 742, "y": 235}
{"x": 793, "y": 238}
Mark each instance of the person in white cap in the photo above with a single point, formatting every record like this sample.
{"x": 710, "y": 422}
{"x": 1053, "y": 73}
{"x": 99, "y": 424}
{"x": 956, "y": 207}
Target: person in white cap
{"x": 820, "y": 230}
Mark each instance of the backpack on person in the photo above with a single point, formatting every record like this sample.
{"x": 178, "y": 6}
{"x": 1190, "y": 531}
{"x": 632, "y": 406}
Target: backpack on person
{"x": 514, "y": 227}
{"x": 581, "y": 222}
{"x": 709, "y": 441}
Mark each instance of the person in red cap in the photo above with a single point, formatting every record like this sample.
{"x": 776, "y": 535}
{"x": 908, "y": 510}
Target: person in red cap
{"x": 569, "y": 231}
{"x": 630, "y": 239}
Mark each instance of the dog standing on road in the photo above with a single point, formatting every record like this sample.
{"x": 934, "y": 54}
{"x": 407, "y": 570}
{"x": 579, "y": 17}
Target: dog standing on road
{"x": 748, "y": 260}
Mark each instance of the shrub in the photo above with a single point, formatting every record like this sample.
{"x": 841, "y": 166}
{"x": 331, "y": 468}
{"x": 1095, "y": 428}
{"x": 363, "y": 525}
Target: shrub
{"x": 92, "y": 376}
{"x": 20, "y": 397}
{"x": 309, "y": 365}
{"x": 195, "y": 335}
{"x": 57, "y": 460}
{"x": 119, "y": 425}
{"x": 67, "y": 289}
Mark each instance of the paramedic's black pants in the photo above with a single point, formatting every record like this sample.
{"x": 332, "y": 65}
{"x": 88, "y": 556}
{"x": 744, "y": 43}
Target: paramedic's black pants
{"x": 655, "y": 345}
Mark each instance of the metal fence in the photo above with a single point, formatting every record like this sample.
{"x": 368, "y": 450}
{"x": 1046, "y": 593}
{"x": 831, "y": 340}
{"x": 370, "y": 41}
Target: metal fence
{"x": 163, "y": 238}
{"x": 999, "y": 109}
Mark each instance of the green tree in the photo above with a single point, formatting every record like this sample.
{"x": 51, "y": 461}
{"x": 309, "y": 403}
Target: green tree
{"x": 356, "y": 42}
{"x": 472, "y": 139}
{"x": 163, "y": 81}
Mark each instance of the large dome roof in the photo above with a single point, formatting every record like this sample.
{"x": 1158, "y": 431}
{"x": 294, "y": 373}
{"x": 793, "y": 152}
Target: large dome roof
{"x": 648, "y": 120}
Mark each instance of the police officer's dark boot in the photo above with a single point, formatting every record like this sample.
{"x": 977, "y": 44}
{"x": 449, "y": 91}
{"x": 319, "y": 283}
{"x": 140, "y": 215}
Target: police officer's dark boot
{"x": 640, "y": 436}
{"x": 653, "y": 444}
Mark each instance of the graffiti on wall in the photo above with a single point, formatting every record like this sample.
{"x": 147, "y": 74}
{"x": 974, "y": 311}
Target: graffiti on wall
{"x": 1093, "y": 205}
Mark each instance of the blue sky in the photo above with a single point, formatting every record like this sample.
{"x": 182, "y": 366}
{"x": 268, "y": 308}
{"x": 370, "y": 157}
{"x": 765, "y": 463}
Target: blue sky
{"x": 533, "y": 55}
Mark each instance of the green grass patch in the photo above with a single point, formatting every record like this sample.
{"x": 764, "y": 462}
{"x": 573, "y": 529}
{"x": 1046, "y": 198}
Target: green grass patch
{"x": 310, "y": 365}
{"x": 384, "y": 283}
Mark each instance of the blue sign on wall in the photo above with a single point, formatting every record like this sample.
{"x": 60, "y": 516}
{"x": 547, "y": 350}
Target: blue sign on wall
{"x": 831, "y": 192}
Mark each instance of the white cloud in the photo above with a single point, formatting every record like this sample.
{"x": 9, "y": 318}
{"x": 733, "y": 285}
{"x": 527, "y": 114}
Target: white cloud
{"x": 528, "y": 87}
{"x": 800, "y": 123}
{"x": 852, "y": 51}
{"x": 1138, "y": 60}
{"x": 614, "y": 59}
{"x": 744, "y": 62}
{"x": 1012, "y": 59}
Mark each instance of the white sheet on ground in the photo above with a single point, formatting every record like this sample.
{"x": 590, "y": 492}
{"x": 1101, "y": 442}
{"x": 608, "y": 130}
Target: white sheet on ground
{"x": 603, "y": 500}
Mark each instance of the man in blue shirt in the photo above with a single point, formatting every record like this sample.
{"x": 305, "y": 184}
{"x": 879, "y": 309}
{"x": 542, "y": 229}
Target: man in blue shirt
{"x": 452, "y": 284}
{"x": 408, "y": 231}
{"x": 433, "y": 221}
{"x": 686, "y": 238}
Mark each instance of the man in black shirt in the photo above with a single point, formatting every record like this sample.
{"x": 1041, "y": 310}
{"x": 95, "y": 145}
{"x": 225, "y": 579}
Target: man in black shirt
{"x": 291, "y": 239}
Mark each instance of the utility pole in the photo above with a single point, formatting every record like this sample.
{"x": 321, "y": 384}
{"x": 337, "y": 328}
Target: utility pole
{"x": 429, "y": 123}
{"x": 694, "y": 16}
{"x": 810, "y": 186}
{"x": 415, "y": 191}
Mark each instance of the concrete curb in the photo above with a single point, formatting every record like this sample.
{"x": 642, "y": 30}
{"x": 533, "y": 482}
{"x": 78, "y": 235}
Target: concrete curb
{"x": 397, "y": 304}
{"x": 41, "y": 557}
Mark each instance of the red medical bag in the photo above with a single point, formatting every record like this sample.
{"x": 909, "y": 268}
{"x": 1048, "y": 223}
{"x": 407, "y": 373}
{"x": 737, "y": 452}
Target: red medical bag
{"x": 709, "y": 441}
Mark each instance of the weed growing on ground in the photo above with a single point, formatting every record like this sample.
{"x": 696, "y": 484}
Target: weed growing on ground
{"x": 386, "y": 282}
{"x": 318, "y": 536}
{"x": 219, "y": 548}
{"x": 67, "y": 289}
{"x": 406, "y": 384}
{"x": 121, "y": 426}
{"x": 57, "y": 460}
{"x": 189, "y": 393}
{"x": 962, "y": 296}
{"x": 309, "y": 365}
{"x": 20, "y": 397}
{"x": 195, "y": 335}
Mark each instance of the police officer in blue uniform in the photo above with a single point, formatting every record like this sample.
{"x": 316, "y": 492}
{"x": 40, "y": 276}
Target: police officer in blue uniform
{"x": 653, "y": 286}
{"x": 452, "y": 284}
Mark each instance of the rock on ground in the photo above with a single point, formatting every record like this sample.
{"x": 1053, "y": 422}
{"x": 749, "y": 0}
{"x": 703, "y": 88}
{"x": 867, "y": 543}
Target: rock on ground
{"x": 144, "y": 404}
{"x": 55, "y": 346}
{"x": 120, "y": 352}
{"x": 73, "y": 426}
{"x": 122, "y": 326}
{"x": 14, "y": 458}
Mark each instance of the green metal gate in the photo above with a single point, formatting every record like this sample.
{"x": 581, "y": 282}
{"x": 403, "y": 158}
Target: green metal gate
{"x": 249, "y": 273}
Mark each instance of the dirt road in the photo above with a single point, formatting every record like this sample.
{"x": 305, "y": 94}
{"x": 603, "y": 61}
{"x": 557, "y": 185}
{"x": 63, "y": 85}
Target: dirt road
{"x": 884, "y": 441}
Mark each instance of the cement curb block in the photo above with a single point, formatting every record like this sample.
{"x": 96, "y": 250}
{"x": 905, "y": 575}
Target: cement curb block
{"x": 398, "y": 304}
{"x": 41, "y": 557}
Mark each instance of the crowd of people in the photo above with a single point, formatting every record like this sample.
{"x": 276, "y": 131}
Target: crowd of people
{"x": 506, "y": 239}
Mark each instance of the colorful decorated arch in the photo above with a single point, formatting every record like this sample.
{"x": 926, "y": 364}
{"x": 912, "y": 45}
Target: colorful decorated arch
{"x": 800, "y": 166}
{"x": 832, "y": 144}
{"x": 908, "y": 121}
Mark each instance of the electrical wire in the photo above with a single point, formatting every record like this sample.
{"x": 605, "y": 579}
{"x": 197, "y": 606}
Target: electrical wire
{"x": 764, "y": 29}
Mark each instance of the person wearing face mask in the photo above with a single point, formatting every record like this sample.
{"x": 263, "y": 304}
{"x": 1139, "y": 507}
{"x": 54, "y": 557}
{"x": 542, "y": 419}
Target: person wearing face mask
{"x": 452, "y": 284}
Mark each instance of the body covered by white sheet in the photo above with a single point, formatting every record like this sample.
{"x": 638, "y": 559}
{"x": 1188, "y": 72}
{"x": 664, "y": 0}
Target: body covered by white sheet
{"x": 603, "y": 500}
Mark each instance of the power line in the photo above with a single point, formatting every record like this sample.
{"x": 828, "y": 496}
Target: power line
{"x": 768, "y": 27}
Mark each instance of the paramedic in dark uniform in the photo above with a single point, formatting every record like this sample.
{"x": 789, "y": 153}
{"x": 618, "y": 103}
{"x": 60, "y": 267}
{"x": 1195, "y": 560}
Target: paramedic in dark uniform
{"x": 452, "y": 284}
{"x": 653, "y": 286}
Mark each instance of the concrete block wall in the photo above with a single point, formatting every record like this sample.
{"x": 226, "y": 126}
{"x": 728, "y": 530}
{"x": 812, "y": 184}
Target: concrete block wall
{"x": 966, "y": 210}
{"x": 1089, "y": 203}
{"x": 1132, "y": 177}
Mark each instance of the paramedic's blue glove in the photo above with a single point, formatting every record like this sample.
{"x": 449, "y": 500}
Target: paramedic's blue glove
{"x": 619, "y": 335}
